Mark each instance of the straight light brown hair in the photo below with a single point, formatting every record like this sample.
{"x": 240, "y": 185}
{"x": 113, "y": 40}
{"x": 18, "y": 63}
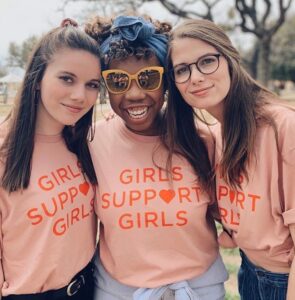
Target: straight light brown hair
{"x": 244, "y": 107}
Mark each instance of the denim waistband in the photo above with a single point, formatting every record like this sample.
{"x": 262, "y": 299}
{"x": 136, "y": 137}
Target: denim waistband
{"x": 259, "y": 271}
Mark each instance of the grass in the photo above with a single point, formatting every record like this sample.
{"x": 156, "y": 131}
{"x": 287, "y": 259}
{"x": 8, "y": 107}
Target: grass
{"x": 232, "y": 264}
{"x": 4, "y": 109}
{"x": 231, "y": 258}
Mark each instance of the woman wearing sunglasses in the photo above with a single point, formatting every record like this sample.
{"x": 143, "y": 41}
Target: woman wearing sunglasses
{"x": 156, "y": 240}
{"x": 255, "y": 154}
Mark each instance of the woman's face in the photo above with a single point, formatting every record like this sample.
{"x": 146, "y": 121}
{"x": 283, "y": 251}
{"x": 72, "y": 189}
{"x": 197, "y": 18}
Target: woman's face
{"x": 202, "y": 91}
{"x": 69, "y": 89}
{"x": 139, "y": 108}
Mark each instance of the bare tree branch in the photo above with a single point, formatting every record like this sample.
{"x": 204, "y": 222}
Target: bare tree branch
{"x": 263, "y": 29}
{"x": 188, "y": 14}
{"x": 247, "y": 13}
{"x": 283, "y": 10}
{"x": 266, "y": 13}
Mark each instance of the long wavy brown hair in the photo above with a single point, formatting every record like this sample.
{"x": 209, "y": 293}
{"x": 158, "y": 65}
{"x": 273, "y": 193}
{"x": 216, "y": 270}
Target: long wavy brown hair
{"x": 244, "y": 106}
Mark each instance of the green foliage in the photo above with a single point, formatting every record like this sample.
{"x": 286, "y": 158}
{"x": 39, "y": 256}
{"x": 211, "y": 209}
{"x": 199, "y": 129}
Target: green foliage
{"x": 3, "y": 71}
{"x": 18, "y": 55}
{"x": 231, "y": 251}
{"x": 14, "y": 58}
{"x": 232, "y": 268}
{"x": 27, "y": 48}
{"x": 228, "y": 296}
{"x": 283, "y": 52}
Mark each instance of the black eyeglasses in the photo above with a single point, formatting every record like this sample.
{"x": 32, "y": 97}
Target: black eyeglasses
{"x": 206, "y": 64}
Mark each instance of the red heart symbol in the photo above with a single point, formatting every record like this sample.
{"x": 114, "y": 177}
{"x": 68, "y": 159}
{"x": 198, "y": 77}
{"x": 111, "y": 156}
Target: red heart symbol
{"x": 167, "y": 195}
{"x": 84, "y": 188}
{"x": 232, "y": 195}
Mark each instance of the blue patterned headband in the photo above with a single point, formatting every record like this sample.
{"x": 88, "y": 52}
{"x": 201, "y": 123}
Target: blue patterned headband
{"x": 137, "y": 29}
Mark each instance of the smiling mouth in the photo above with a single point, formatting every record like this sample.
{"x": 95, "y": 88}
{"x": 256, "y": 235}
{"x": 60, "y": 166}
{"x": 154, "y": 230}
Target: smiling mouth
{"x": 71, "y": 108}
{"x": 137, "y": 112}
{"x": 202, "y": 91}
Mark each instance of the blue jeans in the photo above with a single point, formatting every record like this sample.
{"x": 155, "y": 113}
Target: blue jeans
{"x": 256, "y": 283}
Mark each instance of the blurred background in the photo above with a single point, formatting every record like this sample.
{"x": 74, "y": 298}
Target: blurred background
{"x": 262, "y": 30}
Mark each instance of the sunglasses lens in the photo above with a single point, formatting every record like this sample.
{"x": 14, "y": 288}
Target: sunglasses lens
{"x": 149, "y": 79}
{"x": 117, "y": 82}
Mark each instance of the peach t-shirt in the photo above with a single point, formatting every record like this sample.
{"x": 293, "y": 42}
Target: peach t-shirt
{"x": 152, "y": 232}
{"x": 260, "y": 212}
{"x": 48, "y": 231}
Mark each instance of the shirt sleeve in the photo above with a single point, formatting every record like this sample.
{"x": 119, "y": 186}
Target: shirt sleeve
{"x": 287, "y": 167}
{"x": 288, "y": 186}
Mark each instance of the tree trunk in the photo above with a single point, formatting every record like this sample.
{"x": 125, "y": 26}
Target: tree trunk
{"x": 263, "y": 70}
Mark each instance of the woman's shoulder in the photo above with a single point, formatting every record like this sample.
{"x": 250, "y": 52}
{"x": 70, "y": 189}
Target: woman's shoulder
{"x": 283, "y": 115}
{"x": 283, "y": 122}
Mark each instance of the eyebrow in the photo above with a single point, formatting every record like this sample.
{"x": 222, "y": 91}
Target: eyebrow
{"x": 74, "y": 75}
{"x": 195, "y": 60}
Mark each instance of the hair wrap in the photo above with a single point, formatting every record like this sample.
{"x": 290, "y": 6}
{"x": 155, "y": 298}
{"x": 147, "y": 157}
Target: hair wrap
{"x": 135, "y": 29}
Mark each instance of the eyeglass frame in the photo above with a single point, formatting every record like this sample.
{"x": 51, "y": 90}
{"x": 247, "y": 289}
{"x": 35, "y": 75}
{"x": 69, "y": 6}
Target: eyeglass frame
{"x": 131, "y": 77}
{"x": 217, "y": 55}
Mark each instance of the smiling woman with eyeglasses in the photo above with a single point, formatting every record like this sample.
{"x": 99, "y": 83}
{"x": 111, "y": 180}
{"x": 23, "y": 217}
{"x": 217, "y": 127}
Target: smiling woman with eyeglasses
{"x": 254, "y": 154}
{"x": 156, "y": 240}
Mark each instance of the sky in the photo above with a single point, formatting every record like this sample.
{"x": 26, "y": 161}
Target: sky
{"x": 20, "y": 19}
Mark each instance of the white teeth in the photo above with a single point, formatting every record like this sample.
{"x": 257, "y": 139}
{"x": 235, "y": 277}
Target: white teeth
{"x": 137, "y": 113}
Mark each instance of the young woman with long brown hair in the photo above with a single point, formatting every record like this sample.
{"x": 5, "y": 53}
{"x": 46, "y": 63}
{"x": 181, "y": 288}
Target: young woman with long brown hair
{"x": 48, "y": 225}
{"x": 254, "y": 153}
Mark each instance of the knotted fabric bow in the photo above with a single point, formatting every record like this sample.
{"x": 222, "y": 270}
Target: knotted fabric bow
{"x": 181, "y": 290}
{"x": 135, "y": 29}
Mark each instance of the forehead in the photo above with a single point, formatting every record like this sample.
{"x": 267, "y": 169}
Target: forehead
{"x": 186, "y": 50}
{"x": 76, "y": 61}
{"x": 132, "y": 64}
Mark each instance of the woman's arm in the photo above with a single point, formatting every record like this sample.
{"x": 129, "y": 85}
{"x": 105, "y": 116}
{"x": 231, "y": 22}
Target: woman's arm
{"x": 291, "y": 282}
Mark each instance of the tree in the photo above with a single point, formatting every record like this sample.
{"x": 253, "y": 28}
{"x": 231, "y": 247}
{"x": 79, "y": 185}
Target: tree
{"x": 283, "y": 52}
{"x": 26, "y": 49}
{"x": 256, "y": 18}
{"x": 264, "y": 26}
{"x": 104, "y": 7}
{"x": 3, "y": 71}
{"x": 186, "y": 9}
{"x": 14, "y": 54}
{"x": 18, "y": 55}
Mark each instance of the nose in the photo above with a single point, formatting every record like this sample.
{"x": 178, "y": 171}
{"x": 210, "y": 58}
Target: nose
{"x": 78, "y": 93}
{"x": 135, "y": 92}
{"x": 196, "y": 75}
